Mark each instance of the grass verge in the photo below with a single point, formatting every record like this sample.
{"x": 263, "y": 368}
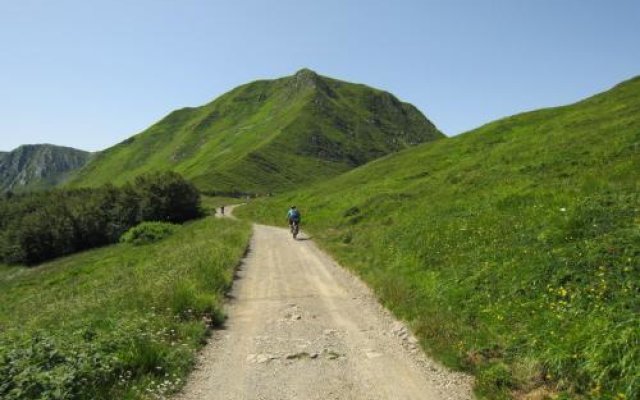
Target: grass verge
{"x": 118, "y": 322}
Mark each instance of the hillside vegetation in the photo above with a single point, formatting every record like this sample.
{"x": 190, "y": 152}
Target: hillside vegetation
{"x": 40, "y": 166}
{"x": 268, "y": 136}
{"x": 40, "y": 226}
{"x": 120, "y": 322}
{"x": 513, "y": 250}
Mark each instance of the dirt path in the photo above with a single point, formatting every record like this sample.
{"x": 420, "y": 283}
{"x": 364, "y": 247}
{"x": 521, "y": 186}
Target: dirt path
{"x": 301, "y": 327}
{"x": 228, "y": 211}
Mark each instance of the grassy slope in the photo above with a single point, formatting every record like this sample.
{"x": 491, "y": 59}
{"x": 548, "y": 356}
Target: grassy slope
{"x": 512, "y": 250}
{"x": 268, "y": 135}
{"x": 125, "y": 318}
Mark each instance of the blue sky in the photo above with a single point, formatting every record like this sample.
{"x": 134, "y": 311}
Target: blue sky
{"x": 89, "y": 74}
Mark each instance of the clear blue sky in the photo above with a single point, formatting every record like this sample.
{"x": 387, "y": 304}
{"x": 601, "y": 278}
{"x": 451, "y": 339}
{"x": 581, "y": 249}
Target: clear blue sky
{"x": 89, "y": 74}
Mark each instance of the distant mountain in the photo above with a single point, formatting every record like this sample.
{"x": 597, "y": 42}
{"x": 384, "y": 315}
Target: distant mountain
{"x": 38, "y": 166}
{"x": 269, "y": 135}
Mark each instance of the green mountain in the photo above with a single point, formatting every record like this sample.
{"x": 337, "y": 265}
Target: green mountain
{"x": 38, "y": 166}
{"x": 513, "y": 250}
{"x": 269, "y": 135}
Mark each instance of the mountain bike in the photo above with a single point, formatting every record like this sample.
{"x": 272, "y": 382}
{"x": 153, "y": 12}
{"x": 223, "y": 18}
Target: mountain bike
{"x": 295, "y": 228}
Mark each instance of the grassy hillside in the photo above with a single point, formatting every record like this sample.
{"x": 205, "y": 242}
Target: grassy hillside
{"x": 267, "y": 136}
{"x": 121, "y": 322}
{"x": 40, "y": 166}
{"x": 513, "y": 250}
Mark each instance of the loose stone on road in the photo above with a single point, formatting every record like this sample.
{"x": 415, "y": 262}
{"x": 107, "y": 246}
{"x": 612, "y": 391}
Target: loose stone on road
{"x": 301, "y": 327}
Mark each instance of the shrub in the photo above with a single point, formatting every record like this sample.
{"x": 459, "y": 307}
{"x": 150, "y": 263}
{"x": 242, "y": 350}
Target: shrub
{"x": 148, "y": 232}
{"x": 166, "y": 196}
{"x": 55, "y": 371}
{"x": 40, "y": 226}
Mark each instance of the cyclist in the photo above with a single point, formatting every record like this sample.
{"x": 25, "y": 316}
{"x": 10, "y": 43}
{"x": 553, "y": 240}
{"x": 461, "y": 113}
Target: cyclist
{"x": 293, "y": 216}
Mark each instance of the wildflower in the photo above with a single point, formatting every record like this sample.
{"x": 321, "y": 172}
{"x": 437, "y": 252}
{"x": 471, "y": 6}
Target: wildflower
{"x": 563, "y": 209}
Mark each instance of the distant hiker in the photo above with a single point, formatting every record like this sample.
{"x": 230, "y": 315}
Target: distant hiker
{"x": 222, "y": 210}
{"x": 293, "y": 215}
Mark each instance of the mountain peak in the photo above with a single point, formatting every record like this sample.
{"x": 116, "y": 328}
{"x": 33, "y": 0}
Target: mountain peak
{"x": 38, "y": 166}
{"x": 306, "y": 78}
{"x": 306, "y": 72}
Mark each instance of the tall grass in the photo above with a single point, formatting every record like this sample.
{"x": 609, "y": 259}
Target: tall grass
{"x": 119, "y": 322}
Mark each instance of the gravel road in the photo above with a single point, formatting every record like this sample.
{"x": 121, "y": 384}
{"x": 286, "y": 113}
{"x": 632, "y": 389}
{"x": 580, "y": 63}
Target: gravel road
{"x": 301, "y": 327}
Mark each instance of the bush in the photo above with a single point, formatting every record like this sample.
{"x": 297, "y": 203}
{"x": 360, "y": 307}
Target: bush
{"x": 166, "y": 196}
{"x": 55, "y": 371}
{"x": 148, "y": 232}
{"x": 99, "y": 366}
{"x": 40, "y": 226}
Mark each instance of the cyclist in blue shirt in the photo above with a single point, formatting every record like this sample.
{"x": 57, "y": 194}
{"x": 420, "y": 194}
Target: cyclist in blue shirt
{"x": 293, "y": 215}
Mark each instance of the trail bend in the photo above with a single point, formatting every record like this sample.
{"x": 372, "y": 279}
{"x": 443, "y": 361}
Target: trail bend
{"x": 301, "y": 327}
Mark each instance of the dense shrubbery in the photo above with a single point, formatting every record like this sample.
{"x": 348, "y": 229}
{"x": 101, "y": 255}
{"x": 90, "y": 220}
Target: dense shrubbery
{"x": 40, "y": 226}
{"x": 92, "y": 364}
{"x": 148, "y": 232}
